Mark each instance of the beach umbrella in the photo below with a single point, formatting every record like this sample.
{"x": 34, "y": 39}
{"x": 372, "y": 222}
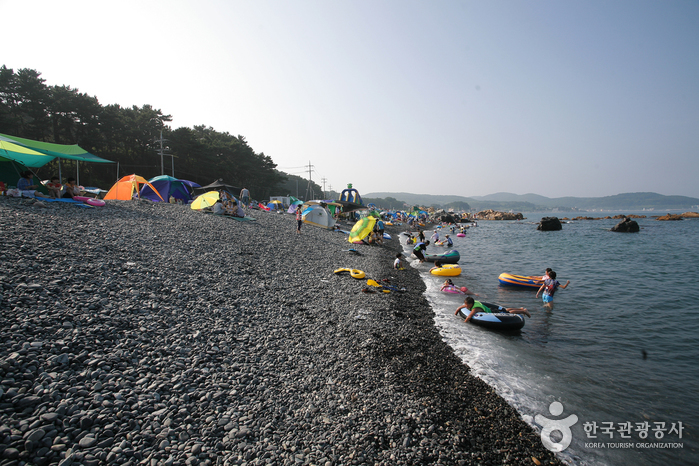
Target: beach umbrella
{"x": 205, "y": 200}
{"x": 361, "y": 229}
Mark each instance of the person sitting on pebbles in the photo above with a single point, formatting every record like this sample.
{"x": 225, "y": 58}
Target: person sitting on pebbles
{"x": 398, "y": 263}
{"x": 27, "y": 188}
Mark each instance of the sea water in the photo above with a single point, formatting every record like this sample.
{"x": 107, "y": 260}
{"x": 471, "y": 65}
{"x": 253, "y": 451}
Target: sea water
{"x": 619, "y": 349}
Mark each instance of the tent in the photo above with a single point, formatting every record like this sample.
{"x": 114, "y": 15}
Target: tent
{"x": 275, "y": 205}
{"x": 166, "y": 186}
{"x": 125, "y": 187}
{"x": 218, "y": 184}
{"x": 319, "y": 216}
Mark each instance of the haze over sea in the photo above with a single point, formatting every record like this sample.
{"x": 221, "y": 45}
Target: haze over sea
{"x": 629, "y": 293}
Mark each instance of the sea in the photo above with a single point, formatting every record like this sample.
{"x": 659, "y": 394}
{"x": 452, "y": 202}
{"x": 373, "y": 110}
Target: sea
{"x": 616, "y": 359}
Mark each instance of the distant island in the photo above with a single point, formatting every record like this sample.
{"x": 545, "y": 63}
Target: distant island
{"x": 536, "y": 203}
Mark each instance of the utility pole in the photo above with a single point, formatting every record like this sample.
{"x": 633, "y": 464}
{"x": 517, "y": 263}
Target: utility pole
{"x": 309, "y": 188}
{"x": 323, "y": 180}
{"x": 162, "y": 165}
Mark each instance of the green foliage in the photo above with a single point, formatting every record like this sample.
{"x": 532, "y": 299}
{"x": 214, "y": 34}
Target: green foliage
{"x": 30, "y": 109}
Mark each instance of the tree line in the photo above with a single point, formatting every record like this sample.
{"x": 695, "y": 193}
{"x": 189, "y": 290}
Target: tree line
{"x": 130, "y": 136}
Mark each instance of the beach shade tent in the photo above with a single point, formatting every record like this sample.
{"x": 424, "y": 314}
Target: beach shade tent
{"x": 218, "y": 184}
{"x": 205, "y": 200}
{"x": 318, "y": 216}
{"x": 361, "y": 229}
{"x": 15, "y": 159}
{"x": 275, "y": 205}
{"x": 166, "y": 186}
{"x": 124, "y": 188}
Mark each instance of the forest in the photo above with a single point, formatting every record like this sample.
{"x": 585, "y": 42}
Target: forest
{"x": 131, "y": 137}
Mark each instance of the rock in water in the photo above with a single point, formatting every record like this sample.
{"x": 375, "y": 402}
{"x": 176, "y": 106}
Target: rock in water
{"x": 549, "y": 224}
{"x": 627, "y": 226}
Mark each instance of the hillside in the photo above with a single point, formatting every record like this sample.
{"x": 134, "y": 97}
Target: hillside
{"x": 534, "y": 202}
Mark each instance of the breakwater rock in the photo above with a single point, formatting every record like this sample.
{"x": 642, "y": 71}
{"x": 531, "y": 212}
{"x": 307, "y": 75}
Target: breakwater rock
{"x": 626, "y": 226}
{"x": 151, "y": 334}
{"x": 670, "y": 217}
{"x": 495, "y": 215}
{"x": 549, "y": 224}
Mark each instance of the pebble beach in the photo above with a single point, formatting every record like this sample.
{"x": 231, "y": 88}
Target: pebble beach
{"x": 143, "y": 333}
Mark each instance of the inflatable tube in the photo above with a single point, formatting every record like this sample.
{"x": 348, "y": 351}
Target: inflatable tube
{"x": 386, "y": 236}
{"x": 95, "y": 202}
{"x": 461, "y": 235}
{"x": 522, "y": 281}
{"x": 354, "y": 273}
{"x": 90, "y": 201}
{"x": 447, "y": 270}
{"x": 499, "y": 320}
{"x": 451, "y": 257}
{"x": 453, "y": 289}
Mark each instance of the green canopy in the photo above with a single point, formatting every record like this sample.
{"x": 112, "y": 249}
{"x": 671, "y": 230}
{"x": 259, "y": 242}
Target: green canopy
{"x": 72, "y": 152}
{"x": 22, "y": 155}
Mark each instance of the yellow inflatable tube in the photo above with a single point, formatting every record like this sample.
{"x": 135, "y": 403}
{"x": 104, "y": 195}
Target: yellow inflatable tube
{"x": 354, "y": 273}
{"x": 447, "y": 270}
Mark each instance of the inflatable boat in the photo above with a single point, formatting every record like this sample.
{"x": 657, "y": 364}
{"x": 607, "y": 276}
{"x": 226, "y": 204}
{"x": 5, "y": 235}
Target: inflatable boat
{"x": 451, "y": 257}
{"x": 447, "y": 270}
{"x": 500, "y": 319}
{"x": 520, "y": 280}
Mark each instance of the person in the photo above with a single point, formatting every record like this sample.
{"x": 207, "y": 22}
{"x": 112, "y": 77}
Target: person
{"x": 435, "y": 236}
{"x": 218, "y": 208}
{"x": 437, "y": 265}
{"x": 380, "y": 228}
{"x": 25, "y": 185}
{"x": 245, "y": 196}
{"x": 475, "y": 306}
{"x": 421, "y": 235}
{"x": 549, "y": 288}
{"x": 398, "y": 263}
{"x": 299, "y": 219}
{"x": 546, "y": 274}
{"x": 224, "y": 195}
{"x": 54, "y": 186}
{"x": 419, "y": 248}
{"x": 448, "y": 284}
{"x": 71, "y": 189}
{"x": 449, "y": 241}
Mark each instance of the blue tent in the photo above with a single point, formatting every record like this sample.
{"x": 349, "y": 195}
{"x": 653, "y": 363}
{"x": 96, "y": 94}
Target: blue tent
{"x": 168, "y": 186}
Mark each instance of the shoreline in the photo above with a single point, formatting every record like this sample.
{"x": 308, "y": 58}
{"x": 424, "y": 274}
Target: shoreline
{"x": 168, "y": 335}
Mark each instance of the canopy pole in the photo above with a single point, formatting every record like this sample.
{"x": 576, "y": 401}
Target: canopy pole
{"x": 77, "y": 172}
{"x": 60, "y": 175}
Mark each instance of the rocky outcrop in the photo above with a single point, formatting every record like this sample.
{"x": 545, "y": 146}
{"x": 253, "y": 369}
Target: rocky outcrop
{"x": 549, "y": 224}
{"x": 627, "y": 226}
{"x": 690, "y": 215}
{"x": 491, "y": 214}
{"x": 670, "y": 217}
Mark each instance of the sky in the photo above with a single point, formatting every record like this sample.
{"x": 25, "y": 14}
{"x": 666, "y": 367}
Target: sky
{"x": 553, "y": 97}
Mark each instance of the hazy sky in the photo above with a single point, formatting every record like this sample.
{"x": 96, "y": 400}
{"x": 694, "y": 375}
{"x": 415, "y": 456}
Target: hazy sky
{"x": 558, "y": 98}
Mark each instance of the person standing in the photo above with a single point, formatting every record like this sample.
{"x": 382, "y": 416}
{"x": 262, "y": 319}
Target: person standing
{"x": 299, "y": 219}
{"x": 245, "y": 196}
{"x": 549, "y": 288}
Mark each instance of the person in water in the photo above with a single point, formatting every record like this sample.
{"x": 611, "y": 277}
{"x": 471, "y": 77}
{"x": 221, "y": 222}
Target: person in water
{"x": 419, "y": 249}
{"x": 437, "y": 265}
{"x": 475, "y": 306}
{"x": 549, "y": 288}
{"x": 448, "y": 284}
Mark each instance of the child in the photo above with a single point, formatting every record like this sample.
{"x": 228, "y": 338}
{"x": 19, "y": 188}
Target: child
{"x": 449, "y": 286}
{"x": 398, "y": 263}
{"x": 54, "y": 187}
{"x": 549, "y": 288}
{"x": 474, "y": 306}
{"x": 437, "y": 265}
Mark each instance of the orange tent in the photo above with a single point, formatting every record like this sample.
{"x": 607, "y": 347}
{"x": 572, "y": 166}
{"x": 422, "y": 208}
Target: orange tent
{"x": 125, "y": 187}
